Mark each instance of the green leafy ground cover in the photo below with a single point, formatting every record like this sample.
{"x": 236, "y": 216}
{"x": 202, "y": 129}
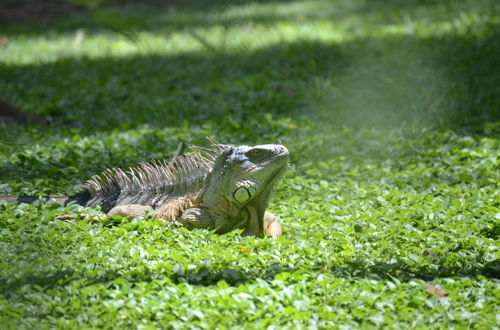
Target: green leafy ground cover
{"x": 390, "y": 110}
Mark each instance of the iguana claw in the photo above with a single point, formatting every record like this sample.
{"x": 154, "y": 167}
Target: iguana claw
{"x": 84, "y": 216}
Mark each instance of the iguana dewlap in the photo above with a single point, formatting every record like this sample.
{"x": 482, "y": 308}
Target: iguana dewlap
{"x": 225, "y": 190}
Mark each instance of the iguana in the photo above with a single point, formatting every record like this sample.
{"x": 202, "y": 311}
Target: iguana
{"x": 223, "y": 189}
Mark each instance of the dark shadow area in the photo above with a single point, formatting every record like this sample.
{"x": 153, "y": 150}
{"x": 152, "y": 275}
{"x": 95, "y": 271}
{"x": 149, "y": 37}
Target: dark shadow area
{"x": 35, "y": 11}
{"x": 403, "y": 272}
{"x": 207, "y": 276}
{"x": 162, "y": 15}
{"x": 383, "y": 271}
{"x": 36, "y": 18}
{"x": 168, "y": 90}
{"x": 447, "y": 81}
{"x": 203, "y": 275}
{"x": 60, "y": 278}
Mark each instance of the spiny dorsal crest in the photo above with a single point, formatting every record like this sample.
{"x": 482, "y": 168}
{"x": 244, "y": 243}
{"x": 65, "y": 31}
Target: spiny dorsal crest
{"x": 152, "y": 176}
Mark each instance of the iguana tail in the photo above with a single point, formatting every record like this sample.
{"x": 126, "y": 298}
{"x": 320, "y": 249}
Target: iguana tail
{"x": 81, "y": 199}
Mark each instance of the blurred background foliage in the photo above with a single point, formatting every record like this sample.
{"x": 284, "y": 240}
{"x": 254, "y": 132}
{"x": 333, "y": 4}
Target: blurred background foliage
{"x": 356, "y": 63}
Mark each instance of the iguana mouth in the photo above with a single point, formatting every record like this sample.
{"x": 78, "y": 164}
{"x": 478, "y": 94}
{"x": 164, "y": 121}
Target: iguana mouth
{"x": 259, "y": 202}
{"x": 276, "y": 175}
{"x": 263, "y": 198}
{"x": 282, "y": 158}
{"x": 276, "y": 159}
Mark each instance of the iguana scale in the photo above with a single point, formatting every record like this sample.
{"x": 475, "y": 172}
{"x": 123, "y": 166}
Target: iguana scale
{"x": 223, "y": 189}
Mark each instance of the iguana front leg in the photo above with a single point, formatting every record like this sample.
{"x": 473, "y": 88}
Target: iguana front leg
{"x": 272, "y": 226}
{"x": 202, "y": 218}
{"x": 196, "y": 218}
{"x": 130, "y": 211}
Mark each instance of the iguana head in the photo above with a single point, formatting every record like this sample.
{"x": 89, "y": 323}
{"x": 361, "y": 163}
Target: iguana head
{"x": 240, "y": 183}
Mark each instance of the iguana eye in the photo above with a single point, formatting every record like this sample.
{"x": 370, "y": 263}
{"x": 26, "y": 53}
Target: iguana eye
{"x": 254, "y": 153}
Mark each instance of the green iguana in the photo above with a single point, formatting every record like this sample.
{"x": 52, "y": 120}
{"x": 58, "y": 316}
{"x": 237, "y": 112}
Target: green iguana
{"x": 223, "y": 189}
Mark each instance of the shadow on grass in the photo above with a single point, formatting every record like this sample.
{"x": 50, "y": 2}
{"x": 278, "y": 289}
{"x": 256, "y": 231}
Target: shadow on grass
{"x": 34, "y": 19}
{"x": 164, "y": 91}
{"x": 201, "y": 276}
{"x": 206, "y": 276}
{"x": 176, "y": 15}
{"x": 448, "y": 81}
{"x": 403, "y": 272}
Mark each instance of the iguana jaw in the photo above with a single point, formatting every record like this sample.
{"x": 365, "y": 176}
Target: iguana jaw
{"x": 256, "y": 207}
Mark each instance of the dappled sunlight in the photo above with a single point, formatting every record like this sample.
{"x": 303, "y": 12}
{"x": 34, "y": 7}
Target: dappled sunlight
{"x": 22, "y": 50}
{"x": 343, "y": 64}
{"x": 235, "y": 29}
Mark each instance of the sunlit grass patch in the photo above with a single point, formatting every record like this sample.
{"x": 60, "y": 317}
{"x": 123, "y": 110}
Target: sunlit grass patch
{"x": 247, "y": 27}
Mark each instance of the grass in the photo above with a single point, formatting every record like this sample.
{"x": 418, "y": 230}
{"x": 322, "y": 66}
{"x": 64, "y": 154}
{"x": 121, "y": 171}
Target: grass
{"x": 389, "y": 108}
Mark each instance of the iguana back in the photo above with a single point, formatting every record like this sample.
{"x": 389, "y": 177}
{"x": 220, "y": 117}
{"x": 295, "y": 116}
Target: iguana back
{"x": 151, "y": 184}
